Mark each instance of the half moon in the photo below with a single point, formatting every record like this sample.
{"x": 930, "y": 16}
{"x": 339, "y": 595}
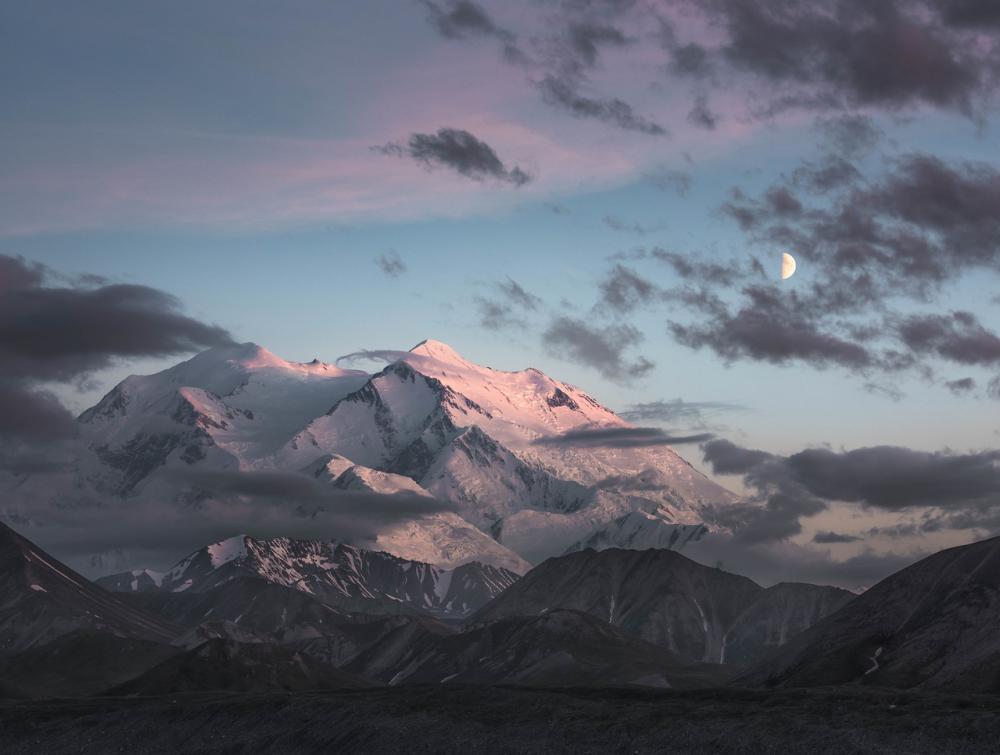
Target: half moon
{"x": 787, "y": 266}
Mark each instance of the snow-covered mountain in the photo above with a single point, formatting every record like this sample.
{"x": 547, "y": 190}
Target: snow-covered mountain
{"x": 339, "y": 575}
{"x": 430, "y": 423}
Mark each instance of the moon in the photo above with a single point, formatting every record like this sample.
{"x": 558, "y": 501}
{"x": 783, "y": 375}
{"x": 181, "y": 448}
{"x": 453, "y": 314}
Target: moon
{"x": 787, "y": 266}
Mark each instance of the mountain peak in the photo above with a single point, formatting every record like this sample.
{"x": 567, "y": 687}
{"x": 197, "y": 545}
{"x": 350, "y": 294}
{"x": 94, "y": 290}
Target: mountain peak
{"x": 438, "y": 350}
{"x": 251, "y": 356}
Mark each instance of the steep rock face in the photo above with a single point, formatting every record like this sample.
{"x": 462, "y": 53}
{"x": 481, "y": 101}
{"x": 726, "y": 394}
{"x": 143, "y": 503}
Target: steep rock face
{"x": 932, "y": 624}
{"x": 339, "y": 575}
{"x": 42, "y": 599}
{"x": 700, "y": 613}
{"x": 558, "y": 648}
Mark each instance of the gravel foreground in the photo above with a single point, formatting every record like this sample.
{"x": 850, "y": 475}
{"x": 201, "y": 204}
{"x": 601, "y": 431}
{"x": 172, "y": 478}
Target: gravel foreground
{"x": 457, "y": 719}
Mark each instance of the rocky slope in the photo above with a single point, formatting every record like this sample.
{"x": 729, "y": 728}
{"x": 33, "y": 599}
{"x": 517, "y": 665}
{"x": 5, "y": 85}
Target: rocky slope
{"x": 42, "y": 599}
{"x": 931, "y": 625}
{"x": 559, "y": 648}
{"x": 698, "y": 612}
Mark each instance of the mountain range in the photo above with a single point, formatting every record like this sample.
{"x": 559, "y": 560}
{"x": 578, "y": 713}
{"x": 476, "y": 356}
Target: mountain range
{"x": 487, "y": 444}
{"x": 340, "y": 575}
{"x": 248, "y": 615}
{"x": 480, "y": 543}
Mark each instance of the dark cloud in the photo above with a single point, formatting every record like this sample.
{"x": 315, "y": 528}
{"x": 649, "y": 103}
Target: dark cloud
{"x": 850, "y": 134}
{"x": 300, "y": 489}
{"x": 975, "y": 14}
{"x": 459, "y": 19}
{"x": 964, "y": 487}
{"x": 698, "y": 414}
{"x": 701, "y": 115}
{"x": 828, "y": 538}
{"x": 509, "y": 308}
{"x": 648, "y": 480}
{"x": 726, "y": 457}
{"x": 517, "y": 294}
{"x": 60, "y": 333}
{"x": 623, "y": 289}
{"x": 17, "y": 274}
{"x": 867, "y": 247}
{"x": 782, "y": 203}
{"x": 957, "y": 201}
{"x": 777, "y": 519}
{"x": 894, "y": 478}
{"x": 498, "y": 315}
{"x": 830, "y": 174}
{"x": 563, "y": 55}
{"x": 391, "y": 263}
{"x": 961, "y": 386}
{"x": 32, "y": 455}
{"x": 690, "y": 60}
{"x": 957, "y": 336}
{"x": 33, "y": 415}
{"x": 690, "y": 268}
{"x": 563, "y": 93}
{"x": 775, "y": 329}
{"x": 63, "y": 334}
{"x": 619, "y": 437}
{"x": 847, "y": 53}
{"x": 601, "y": 348}
{"x": 262, "y": 504}
{"x": 586, "y": 38}
{"x": 885, "y": 477}
{"x": 460, "y": 151}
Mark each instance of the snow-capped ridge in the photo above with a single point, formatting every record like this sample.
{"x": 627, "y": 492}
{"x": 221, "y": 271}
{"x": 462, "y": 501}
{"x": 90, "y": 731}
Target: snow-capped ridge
{"x": 336, "y": 573}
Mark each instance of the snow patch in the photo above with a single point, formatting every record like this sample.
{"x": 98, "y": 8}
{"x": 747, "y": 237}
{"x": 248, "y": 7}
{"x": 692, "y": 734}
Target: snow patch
{"x": 227, "y": 550}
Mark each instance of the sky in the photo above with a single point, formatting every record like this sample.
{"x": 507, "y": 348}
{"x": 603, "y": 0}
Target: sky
{"x": 601, "y": 189}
